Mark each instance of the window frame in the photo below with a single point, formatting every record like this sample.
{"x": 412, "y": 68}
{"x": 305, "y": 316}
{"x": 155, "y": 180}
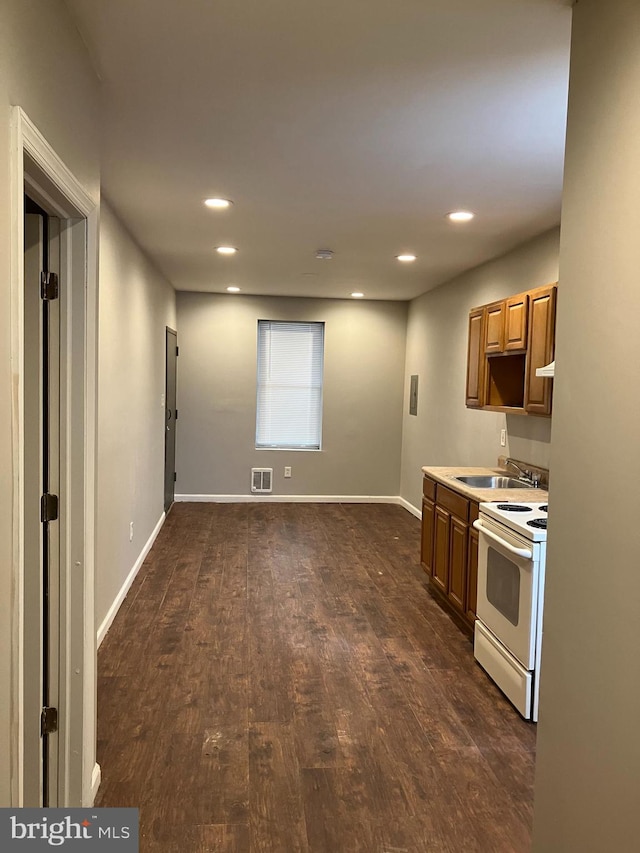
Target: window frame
{"x": 291, "y": 447}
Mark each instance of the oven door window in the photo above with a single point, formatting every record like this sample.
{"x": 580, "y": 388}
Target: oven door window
{"x": 503, "y": 585}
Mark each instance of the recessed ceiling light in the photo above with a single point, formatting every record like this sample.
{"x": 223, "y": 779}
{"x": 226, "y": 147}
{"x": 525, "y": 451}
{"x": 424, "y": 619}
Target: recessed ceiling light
{"x": 357, "y": 295}
{"x": 226, "y": 250}
{"x": 218, "y": 203}
{"x": 233, "y": 289}
{"x": 461, "y": 216}
{"x": 406, "y": 258}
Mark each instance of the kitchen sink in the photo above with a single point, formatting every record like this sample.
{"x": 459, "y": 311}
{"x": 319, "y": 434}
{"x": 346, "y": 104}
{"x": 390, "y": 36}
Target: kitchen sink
{"x": 482, "y": 482}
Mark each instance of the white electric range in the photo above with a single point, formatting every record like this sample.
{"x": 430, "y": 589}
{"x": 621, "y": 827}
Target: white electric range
{"x": 511, "y": 567}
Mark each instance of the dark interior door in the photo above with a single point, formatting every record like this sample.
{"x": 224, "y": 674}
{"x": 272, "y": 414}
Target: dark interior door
{"x": 41, "y": 490}
{"x": 171, "y": 414}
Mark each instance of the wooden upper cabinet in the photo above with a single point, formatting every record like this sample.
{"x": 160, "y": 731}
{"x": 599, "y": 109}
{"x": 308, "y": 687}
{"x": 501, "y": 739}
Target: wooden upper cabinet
{"x": 542, "y": 324}
{"x": 475, "y": 359}
{"x": 494, "y": 327}
{"x": 515, "y": 336}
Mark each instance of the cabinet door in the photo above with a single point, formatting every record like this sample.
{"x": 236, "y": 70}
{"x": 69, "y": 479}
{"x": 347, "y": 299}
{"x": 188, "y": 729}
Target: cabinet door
{"x": 515, "y": 336}
{"x": 426, "y": 550}
{"x": 475, "y": 359}
{"x": 494, "y": 327}
{"x": 472, "y": 574}
{"x": 458, "y": 563}
{"x": 441, "y": 549}
{"x": 542, "y": 323}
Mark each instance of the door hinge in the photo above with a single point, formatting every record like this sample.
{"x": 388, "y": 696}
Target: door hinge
{"x": 48, "y": 286}
{"x": 176, "y": 415}
{"x": 48, "y": 508}
{"x": 175, "y": 476}
{"x": 48, "y": 721}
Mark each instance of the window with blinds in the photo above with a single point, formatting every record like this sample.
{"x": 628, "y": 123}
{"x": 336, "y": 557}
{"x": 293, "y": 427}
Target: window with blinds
{"x": 290, "y": 363}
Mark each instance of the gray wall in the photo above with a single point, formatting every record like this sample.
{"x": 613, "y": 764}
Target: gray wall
{"x": 588, "y": 770}
{"x": 362, "y": 423}
{"x": 135, "y": 306}
{"x": 45, "y": 70}
{"x": 445, "y": 432}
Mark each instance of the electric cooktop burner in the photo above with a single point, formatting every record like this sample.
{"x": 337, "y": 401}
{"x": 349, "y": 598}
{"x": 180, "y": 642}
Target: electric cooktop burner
{"x": 514, "y": 508}
{"x": 543, "y": 508}
{"x": 540, "y": 523}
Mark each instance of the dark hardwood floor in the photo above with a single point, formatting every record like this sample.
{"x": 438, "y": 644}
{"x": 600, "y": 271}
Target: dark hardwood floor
{"x": 280, "y": 679}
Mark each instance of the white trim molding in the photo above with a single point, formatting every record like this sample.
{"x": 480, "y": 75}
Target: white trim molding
{"x": 314, "y": 499}
{"x": 96, "y": 778}
{"x": 126, "y": 586}
{"x": 410, "y": 508}
{"x": 36, "y": 166}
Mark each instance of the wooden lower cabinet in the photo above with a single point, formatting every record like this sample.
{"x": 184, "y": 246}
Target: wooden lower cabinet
{"x": 440, "y": 572}
{"x": 428, "y": 520}
{"x": 458, "y": 564}
{"x": 449, "y": 551}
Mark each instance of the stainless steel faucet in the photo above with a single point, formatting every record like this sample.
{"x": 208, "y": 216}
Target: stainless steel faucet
{"x": 525, "y": 474}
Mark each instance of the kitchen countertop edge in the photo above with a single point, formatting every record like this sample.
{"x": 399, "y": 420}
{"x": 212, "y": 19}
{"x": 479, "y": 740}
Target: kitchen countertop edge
{"x": 446, "y": 476}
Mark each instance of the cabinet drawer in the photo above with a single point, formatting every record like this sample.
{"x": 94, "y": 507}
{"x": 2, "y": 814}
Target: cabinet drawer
{"x": 429, "y": 488}
{"x": 455, "y": 503}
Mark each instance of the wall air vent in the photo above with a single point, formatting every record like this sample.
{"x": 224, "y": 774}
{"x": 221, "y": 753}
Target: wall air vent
{"x": 261, "y": 479}
{"x": 324, "y": 254}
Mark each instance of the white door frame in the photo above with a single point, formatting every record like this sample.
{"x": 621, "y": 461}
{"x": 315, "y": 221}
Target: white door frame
{"x": 36, "y": 167}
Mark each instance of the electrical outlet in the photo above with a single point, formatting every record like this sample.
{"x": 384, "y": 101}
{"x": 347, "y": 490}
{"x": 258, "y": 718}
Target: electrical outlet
{"x": 131, "y": 531}
{"x": 287, "y": 472}
{"x": 503, "y": 438}
{"x": 162, "y": 400}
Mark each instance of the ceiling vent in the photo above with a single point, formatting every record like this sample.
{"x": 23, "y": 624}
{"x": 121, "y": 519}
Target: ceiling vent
{"x": 324, "y": 254}
{"x": 261, "y": 479}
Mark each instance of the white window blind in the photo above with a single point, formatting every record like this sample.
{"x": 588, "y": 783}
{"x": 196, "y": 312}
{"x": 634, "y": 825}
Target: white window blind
{"x": 290, "y": 361}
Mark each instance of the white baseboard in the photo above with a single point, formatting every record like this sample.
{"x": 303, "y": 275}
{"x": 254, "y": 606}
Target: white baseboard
{"x": 258, "y": 498}
{"x": 126, "y": 586}
{"x": 332, "y": 499}
{"x": 410, "y": 508}
{"x": 96, "y": 778}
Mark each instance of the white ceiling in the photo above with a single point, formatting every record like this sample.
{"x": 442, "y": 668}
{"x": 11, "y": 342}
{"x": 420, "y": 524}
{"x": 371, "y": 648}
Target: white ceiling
{"x": 354, "y": 125}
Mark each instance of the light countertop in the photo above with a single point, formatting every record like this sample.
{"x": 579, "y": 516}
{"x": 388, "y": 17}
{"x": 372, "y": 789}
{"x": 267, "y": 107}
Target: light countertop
{"x": 446, "y": 476}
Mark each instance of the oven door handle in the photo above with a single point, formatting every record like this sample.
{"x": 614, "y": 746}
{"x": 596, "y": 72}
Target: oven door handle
{"x": 520, "y": 552}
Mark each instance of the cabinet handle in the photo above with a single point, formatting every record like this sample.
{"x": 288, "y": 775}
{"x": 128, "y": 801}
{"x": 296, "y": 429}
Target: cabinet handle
{"x": 520, "y": 552}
